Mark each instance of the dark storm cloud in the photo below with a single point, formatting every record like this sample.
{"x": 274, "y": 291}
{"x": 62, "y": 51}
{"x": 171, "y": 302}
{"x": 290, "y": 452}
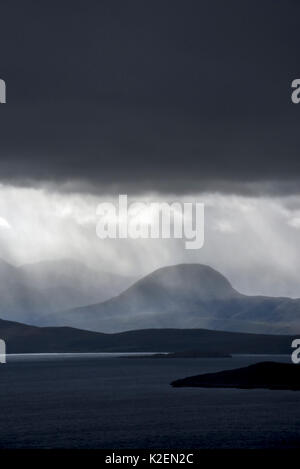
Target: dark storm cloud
{"x": 167, "y": 95}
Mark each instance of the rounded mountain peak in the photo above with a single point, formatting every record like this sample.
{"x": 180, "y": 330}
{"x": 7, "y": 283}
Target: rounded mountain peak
{"x": 197, "y": 280}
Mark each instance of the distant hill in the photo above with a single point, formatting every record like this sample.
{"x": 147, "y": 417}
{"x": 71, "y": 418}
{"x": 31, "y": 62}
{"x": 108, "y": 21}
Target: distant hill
{"x": 29, "y": 292}
{"x": 21, "y": 338}
{"x": 185, "y": 296}
{"x": 264, "y": 375}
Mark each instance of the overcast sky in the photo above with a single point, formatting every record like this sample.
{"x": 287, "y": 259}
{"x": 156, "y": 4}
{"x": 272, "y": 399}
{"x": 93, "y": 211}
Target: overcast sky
{"x": 164, "y": 99}
{"x": 158, "y": 94}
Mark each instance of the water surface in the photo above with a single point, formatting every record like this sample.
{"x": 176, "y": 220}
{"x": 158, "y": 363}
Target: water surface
{"x": 106, "y": 401}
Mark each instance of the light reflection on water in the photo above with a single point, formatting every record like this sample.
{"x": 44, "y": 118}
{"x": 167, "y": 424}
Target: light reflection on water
{"x": 20, "y": 357}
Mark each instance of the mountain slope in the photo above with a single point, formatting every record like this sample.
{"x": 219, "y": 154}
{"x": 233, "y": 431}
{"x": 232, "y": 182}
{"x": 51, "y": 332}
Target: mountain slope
{"x": 184, "y": 296}
{"x": 69, "y": 281}
{"x": 33, "y": 290}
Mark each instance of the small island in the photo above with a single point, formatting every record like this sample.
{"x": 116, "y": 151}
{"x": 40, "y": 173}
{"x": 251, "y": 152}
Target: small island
{"x": 264, "y": 375}
{"x": 186, "y": 354}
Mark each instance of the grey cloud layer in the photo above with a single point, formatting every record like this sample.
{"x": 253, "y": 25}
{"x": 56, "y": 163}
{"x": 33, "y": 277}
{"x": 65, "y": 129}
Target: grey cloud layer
{"x": 158, "y": 95}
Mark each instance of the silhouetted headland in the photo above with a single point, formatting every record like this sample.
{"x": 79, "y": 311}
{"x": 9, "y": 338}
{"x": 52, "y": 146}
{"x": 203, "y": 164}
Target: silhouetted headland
{"x": 265, "y": 375}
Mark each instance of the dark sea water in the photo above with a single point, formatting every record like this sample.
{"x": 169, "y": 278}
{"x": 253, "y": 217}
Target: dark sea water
{"x": 98, "y": 401}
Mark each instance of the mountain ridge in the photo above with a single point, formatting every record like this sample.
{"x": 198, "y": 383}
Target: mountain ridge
{"x": 23, "y": 338}
{"x": 185, "y": 295}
